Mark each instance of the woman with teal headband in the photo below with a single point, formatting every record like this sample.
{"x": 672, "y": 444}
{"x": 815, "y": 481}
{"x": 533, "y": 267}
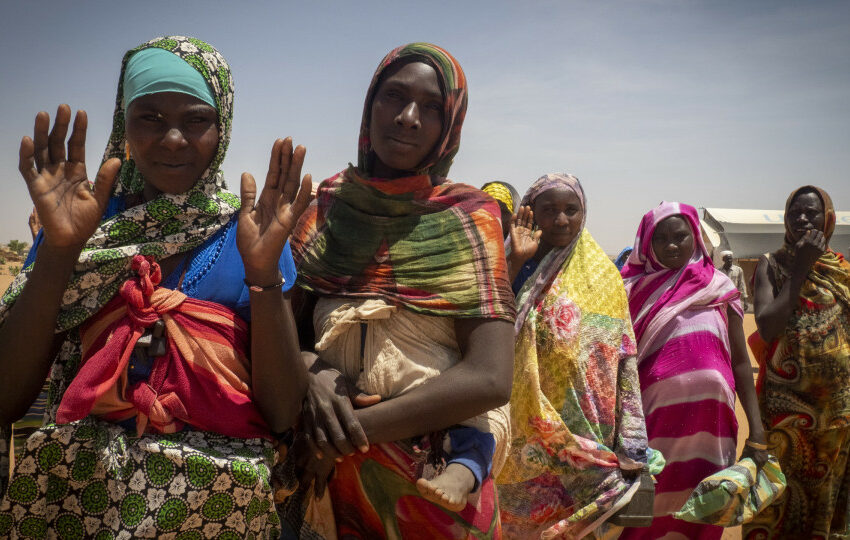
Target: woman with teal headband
{"x": 153, "y": 298}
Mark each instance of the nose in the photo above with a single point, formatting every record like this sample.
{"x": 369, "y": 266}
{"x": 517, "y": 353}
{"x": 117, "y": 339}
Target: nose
{"x": 174, "y": 139}
{"x": 561, "y": 219}
{"x": 409, "y": 116}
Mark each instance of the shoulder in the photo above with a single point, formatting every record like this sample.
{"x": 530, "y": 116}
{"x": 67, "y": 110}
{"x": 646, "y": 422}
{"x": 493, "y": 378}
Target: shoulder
{"x": 594, "y": 281}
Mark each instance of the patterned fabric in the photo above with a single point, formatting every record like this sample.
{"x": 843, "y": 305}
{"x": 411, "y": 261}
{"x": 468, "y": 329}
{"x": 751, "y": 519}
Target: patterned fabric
{"x": 734, "y": 495}
{"x": 452, "y": 83}
{"x": 91, "y": 479}
{"x": 803, "y": 395}
{"x": 435, "y": 250}
{"x": 202, "y": 380}
{"x": 576, "y": 415}
{"x": 374, "y": 496}
{"x": 504, "y": 193}
{"x": 685, "y": 369}
{"x": 161, "y": 227}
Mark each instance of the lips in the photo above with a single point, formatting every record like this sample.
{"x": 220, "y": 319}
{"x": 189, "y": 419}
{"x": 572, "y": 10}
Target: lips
{"x": 401, "y": 141}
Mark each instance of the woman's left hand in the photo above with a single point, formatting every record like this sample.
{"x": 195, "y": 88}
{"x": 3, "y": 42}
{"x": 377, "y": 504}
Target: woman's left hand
{"x": 758, "y": 456}
{"x": 264, "y": 227}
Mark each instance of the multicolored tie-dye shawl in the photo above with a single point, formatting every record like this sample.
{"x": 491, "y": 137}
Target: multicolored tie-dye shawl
{"x": 166, "y": 225}
{"x": 803, "y": 380}
{"x": 576, "y": 413}
{"x": 421, "y": 242}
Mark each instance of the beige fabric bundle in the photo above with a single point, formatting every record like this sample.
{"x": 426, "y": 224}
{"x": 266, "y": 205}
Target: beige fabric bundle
{"x": 402, "y": 350}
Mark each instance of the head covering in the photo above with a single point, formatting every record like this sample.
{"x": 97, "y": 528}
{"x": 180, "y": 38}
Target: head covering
{"x": 453, "y": 84}
{"x": 657, "y": 293}
{"x": 420, "y": 242}
{"x": 504, "y": 193}
{"x": 166, "y": 225}
{"x": 725, "y": 253}
{"x": 828, "y": 212}
{"x": 555, "y": 259}
{"x": 151, "y": 71}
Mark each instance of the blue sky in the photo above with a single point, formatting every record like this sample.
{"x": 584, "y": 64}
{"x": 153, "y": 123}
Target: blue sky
{"x": 715, "y": 103}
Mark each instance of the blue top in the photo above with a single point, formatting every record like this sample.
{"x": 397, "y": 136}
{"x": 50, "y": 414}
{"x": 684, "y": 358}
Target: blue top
{"x": 215, "y": 271}
{"x": 524, "y": 273}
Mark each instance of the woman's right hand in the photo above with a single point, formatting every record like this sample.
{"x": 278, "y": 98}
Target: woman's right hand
{"x": 808, "y": 250}
{"x": 328, "y": 420}
{"x": 524, "y": 239}
{"x": 68, "y": 207}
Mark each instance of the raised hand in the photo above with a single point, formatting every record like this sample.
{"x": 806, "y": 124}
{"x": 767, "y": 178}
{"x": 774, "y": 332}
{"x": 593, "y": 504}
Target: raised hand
{"x": 524, "y": 239}
{"x": 808, "y": 249}
{"x": 68, "y": 207}
{"x": 265, "y": 226}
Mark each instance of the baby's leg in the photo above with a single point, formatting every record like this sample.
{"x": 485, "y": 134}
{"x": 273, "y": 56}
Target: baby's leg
{"x": 469, "y": 462}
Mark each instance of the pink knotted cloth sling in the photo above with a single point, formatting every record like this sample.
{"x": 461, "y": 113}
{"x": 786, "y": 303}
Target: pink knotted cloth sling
{"x": 202, "y": 380}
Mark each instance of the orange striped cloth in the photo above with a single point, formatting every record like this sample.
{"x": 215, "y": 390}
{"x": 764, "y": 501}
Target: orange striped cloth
{"x": 202, "y": 380}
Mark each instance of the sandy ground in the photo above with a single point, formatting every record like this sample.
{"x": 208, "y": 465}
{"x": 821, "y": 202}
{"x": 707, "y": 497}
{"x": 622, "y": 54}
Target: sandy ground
{"x": 733, "y": 533}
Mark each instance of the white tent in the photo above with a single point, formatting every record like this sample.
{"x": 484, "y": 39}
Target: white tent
{"x": 750, "y": 233}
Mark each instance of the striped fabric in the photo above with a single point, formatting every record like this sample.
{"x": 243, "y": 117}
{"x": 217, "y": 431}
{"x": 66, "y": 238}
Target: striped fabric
{"x": 685, "y": 369}
{"x": 734, "y": 495}
{"x": 202, "y": 380}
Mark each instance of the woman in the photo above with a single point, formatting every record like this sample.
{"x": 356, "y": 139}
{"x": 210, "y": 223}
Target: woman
{"x": 579, "y": 442}
{"x": 802, "y": 309}
{"x": 507, "y": 198}
{"x": 162, "y": 425}
{"x": 692, "y": 358}
{"x": 414, "y": 307}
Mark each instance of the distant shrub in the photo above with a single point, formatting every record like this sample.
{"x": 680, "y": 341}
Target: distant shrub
{"x": 14, "y": 270}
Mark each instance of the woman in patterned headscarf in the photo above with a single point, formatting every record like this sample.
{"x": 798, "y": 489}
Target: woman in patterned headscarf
{"x": 508, "y": 200}
{"x": 156, "y": 420}
{"x": 413, "y": 306}
{"x": 579, "y": 442}
{"x": 802, "y": 308}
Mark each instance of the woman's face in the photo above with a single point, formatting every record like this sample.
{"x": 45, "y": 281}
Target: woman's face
{"x": 805, "y": 213}
{"x": 173, "y": 137}
{"x": 406, "y": 119}
{"x": 673, "y": 242}
{"x": 558, "y": 214}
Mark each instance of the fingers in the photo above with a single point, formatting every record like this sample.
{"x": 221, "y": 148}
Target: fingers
{"x": 26, "y": 160}
{"x": 77, "y": 142}
{"x": 39, "y": 138}
{"x": 293, "y": 172}
{"x": 56, "y": 140}
{"x": 273, "y": 176}
{"x": 338, "y": 434}
{"x": 104, "y": 181}
{"x": 248, "y": 193}
{"x": 302, "y": 199}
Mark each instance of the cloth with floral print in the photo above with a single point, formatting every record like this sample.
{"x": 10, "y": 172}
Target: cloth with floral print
{"x": 576, "y": 413}
{"x": 92, "y": 479}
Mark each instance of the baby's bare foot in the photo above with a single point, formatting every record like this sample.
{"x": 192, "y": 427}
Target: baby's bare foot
{"x": 450, "y": 489}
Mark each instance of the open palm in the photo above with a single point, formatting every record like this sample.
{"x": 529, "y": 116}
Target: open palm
{"x": 265, "y": 226}
{"x": 524, "y": 239}
{"x": 67, "y": 205}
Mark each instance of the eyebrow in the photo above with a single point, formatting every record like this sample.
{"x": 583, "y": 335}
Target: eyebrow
{"x": 431, "y": 95}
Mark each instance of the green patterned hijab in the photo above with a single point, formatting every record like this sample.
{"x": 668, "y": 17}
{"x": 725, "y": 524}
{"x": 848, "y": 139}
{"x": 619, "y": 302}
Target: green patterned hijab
{"x": 162, "y": 227}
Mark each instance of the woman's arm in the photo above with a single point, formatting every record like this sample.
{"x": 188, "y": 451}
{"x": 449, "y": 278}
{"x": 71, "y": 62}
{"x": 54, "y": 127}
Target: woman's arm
{"x": 70, "y": 211}
{"x": 771, "y": 312}
{"x": 278, "y": 377}
{"x": 743, "y": 373}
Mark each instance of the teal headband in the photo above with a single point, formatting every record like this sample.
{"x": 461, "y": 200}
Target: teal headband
{"x": 154, "y": 70}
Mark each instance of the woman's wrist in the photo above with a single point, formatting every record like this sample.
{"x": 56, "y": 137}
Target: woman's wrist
{"x": 263, "y": 279}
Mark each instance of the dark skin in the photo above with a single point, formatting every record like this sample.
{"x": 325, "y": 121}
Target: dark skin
{"x": 70, "y": 212}
{"x": 557, "y": 214}
{"x": 338, "y": 420}
{"x": 805, "y": 219}
{"x": 673, "y": 244}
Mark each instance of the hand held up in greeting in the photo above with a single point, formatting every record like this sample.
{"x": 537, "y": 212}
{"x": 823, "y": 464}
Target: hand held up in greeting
{"x": 266, "y": 222}
{"x": 69, "y": 207}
